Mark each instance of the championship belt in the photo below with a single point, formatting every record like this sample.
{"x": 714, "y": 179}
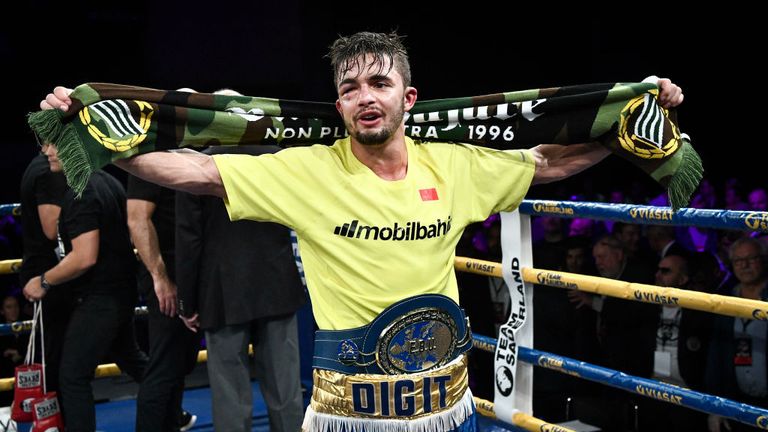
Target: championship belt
{"x": 415, "y": 335}
{"x": 403, "y": 371}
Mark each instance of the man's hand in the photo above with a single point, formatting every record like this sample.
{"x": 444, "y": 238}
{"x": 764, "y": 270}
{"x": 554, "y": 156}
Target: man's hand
{"x": 580, "y": 299}
{"x": 166, "y": 295}
{"x": 670, "y": 94}
{"x": 59, "y": 99}
{"x": 33, "y": 291}
{"x": 192, "y": 322}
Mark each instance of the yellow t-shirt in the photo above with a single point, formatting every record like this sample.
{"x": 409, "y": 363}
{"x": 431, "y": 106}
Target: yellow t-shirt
{"x": 365, "y": 242}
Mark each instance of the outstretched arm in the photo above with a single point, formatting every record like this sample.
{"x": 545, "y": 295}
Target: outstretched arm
{"x": 555, "y": 162}
{"x": 184, "y": 170}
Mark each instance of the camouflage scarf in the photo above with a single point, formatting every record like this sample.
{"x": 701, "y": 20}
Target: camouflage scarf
{"x": 107, "y": 122}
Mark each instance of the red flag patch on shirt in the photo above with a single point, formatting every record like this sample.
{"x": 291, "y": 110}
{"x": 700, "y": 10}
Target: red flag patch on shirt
{"x": 428, "y": 194}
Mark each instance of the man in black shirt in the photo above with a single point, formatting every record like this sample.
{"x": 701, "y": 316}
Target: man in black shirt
{"x": 100, "y": 268}
{"x": 172, "y": 348}
{"x": 42, "y": 192}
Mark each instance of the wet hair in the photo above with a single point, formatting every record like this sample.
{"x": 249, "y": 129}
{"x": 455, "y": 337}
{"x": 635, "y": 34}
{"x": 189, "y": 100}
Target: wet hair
{"x": 347, "y": 51}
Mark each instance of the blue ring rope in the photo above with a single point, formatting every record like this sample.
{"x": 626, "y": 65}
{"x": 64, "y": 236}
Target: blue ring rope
{"x": 747, "y": 414}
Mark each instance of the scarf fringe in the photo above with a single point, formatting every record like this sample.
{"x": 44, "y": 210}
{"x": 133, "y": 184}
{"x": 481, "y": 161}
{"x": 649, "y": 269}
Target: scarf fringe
{"x": 447, "y": 420}
{"x": 74, "y": 159}
{"x": 687, "y": 177}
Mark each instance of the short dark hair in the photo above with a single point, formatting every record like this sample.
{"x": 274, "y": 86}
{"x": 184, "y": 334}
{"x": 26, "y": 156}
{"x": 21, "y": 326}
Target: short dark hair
{"x": 346, "y": 51}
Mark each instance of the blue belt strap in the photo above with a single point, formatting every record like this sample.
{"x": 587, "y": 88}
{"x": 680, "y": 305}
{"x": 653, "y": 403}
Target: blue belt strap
{"x": 333, "y": 345}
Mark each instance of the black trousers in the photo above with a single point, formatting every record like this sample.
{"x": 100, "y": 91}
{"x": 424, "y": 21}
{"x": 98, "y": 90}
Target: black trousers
{"x": 100, "y": 325}
{"x": 172, "y": 355}
{"x": 57, "y": 308}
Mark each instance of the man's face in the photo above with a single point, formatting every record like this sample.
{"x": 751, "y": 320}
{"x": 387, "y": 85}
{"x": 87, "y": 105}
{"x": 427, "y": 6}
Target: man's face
{"x": 630, "y": 236}
{"x": 608, "y": 260}
{"x": 671, "y": 272}
{"x": 53, "y": 157}
{"x": 581, "y": 227}
{"x": 574, "y": 260}
{"x": 747, "y": 263}
{"x": 11, "y": 309}
{"x": 372, "y": 101}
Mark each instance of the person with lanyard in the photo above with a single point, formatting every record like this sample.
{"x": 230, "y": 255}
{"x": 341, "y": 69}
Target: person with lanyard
{"x": 42, "y": 193}
{"x": 99, "y": 267}
{"x": 736, "y": 365}
{"x": 378, "y": 216}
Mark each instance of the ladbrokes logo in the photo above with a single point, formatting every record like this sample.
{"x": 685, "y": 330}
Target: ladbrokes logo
{"x": 398, "y": 232}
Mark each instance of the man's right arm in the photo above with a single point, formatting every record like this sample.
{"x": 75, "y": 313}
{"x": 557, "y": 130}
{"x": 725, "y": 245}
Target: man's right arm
{"x": 49, "y": 219}
{"x": 187, "y": 171}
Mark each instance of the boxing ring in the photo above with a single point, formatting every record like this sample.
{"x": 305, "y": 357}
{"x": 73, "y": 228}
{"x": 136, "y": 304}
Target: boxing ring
{"x": 634, "y": 214}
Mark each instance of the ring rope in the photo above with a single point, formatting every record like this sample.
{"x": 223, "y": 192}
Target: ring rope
{"x": 10, "y": 209}
{"x": 10, "y": 266}
{"x": 650, "y": 215}
{"x": 25, "y": 326}
{"x": 747, "y": 414}
{"x": 723, "y": 305}
{"x": 519, "y": 419}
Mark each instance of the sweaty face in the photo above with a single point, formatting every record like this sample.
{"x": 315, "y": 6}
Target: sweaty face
{"x": 371, "y": 101}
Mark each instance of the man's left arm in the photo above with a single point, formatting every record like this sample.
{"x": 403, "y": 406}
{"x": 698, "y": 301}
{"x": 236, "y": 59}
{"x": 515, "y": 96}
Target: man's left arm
{"x": 144, "y": 237}
{"x": 556, "y": 162}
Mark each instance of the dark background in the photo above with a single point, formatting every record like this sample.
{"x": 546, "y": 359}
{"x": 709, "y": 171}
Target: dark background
{"x": 276, "y": 49}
